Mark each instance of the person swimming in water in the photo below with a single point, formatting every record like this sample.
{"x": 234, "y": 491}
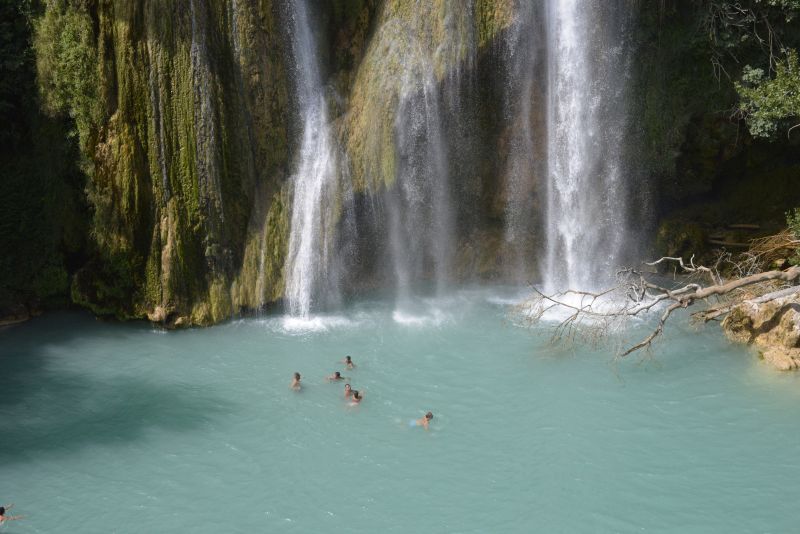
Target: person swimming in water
{"x": 356, "y": 396}
{"x": 348, "y": 391}
{"x": 4, "y": 517}
{"x": 423, "y": 421}
{"x": 295, "y": 385}
{"x": 348, "y": 362}
{"x": 335, "y": 377}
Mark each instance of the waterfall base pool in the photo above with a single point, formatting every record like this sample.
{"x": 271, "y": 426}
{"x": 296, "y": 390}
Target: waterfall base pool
{"x": 122, "y": 428}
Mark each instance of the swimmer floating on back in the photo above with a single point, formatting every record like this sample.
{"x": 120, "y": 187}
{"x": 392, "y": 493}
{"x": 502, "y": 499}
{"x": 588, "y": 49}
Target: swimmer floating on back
{"x": 348, "y": 362}
{"x": 295, "y": 385}
{"x": 4, "y": 517}
{"x": 422, "y": 421}
{"x": 335, "y": 377}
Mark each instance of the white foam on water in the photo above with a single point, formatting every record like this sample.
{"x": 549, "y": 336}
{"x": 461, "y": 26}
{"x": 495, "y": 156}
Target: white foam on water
{"x": 435, "y": 317}
{"x": 299, "y": 325}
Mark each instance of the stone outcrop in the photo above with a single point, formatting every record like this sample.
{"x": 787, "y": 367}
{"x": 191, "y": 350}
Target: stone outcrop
{"x": 773, "y": 327}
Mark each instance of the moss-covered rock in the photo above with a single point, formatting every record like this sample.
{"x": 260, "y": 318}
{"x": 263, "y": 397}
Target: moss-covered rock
{"x": 184, "y": 115}
{"x": 413, "y": 44}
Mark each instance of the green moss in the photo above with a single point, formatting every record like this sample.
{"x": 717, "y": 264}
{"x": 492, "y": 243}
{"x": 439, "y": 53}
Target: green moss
{"x": 410, "y": 39}
{"x": 493, "y": 16}
{"x": 174, "y": 238}
{"x": 261, "y": 278}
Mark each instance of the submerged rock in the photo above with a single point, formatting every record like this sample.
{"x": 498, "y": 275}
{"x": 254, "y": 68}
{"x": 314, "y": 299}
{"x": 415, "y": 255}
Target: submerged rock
{"x": 773, "y": 327}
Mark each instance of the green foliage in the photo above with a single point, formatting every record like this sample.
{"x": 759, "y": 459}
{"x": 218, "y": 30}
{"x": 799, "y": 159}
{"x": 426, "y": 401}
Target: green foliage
{"x": 66, "y": 61}
{"x": 766, "y": 102}
{"x": 790, "y": 7}
{"x": 42, "y": 217}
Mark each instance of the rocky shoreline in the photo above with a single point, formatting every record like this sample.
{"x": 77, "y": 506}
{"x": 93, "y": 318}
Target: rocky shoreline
{"x": 772, "y": 327}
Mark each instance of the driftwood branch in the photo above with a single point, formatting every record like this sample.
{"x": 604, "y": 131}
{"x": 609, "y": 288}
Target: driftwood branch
{"x": 596, "y": 315}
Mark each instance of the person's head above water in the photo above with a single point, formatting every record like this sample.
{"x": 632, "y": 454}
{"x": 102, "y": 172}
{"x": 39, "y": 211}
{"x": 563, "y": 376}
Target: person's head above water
{"x": 356, "y": 394}
{"x": 429, "y": 416}
{"x": 348, "y": 359}
{"x": 297, "y": 376}
{"x": 337, "y": 374}
{"x": 2, "y": 510}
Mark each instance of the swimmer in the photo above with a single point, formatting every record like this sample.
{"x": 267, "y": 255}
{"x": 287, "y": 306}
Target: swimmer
{"x": 422, "y": 421}
{"x": 348, "y": 362}
{"x": 295, "y": 385}
{"x": 335, "y": 377}
{"x": 4, "y": 517}
{"x": 348, "y": 391}
{"x": 357, "y": 396}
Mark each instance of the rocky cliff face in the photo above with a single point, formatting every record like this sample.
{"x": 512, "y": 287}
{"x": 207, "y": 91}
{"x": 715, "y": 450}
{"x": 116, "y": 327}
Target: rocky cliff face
{"x": 184, "y": 115}
{"x": 187, "y": 131}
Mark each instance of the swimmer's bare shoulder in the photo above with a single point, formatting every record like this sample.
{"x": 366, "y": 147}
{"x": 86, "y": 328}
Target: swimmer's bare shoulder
{"x": 425, "y": 421}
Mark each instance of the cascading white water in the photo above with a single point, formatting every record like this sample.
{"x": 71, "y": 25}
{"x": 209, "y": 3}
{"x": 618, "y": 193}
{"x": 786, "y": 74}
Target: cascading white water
{"x": 420, "y": 217}
{"x": 587, "y": 67}
{"x": 426, "y": 51}
{"x": 314, "y": 180}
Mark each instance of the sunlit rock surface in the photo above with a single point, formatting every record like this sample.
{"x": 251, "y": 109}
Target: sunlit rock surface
{"x": 773, "y": 327}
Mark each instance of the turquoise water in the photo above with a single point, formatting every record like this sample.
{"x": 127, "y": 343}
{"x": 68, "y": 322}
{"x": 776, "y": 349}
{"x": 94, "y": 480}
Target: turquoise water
{"x": 122, "y": 428}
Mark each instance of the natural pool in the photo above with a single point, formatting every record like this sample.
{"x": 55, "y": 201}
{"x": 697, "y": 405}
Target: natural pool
{"x": 122, "y": 428}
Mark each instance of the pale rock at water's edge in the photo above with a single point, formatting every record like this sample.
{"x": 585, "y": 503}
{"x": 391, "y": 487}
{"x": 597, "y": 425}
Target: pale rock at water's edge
{"x": 773, "y": 327}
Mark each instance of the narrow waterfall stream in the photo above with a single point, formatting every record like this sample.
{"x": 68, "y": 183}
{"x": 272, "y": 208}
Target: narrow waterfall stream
{"x": 420, "y": 208}
{"x": 314, "y": 179}
{"x": 587, "y": 67}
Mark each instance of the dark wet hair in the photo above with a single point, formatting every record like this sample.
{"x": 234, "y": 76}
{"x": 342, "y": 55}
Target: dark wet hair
{"x": 297, "y": 376}
{"x": 356, "y": 394}
{"x": 2, "y": 510}
{"x": 347, "y": 358}
{"x": 429, "y": 415}
{"x": 347, "y": 385}
{"x": 337, "y": 374}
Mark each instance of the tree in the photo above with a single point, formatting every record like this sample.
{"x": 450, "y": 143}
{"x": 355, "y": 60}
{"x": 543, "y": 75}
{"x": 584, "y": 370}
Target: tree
{"x": 765, "y": 103}
{"x": 754, "y": 43}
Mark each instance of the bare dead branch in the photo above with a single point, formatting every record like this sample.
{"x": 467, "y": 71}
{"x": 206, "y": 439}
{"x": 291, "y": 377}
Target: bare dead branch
{"x": 594, "y": 315}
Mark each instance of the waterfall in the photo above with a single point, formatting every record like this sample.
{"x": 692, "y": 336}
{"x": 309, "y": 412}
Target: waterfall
{"x": 313, "y": 182}
{"x": 587, "y": 70}
{"x": 408, "y": 86}
{"x": 420, "y": 216}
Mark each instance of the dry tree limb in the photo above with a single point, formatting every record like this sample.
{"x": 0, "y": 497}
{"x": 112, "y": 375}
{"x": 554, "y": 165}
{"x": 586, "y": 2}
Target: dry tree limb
{"x": 598, "y": 314}
{"x": 718, "y": 311}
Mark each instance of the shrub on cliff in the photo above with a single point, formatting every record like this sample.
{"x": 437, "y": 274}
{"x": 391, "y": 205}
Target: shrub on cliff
{"x": 66, "y": 64}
